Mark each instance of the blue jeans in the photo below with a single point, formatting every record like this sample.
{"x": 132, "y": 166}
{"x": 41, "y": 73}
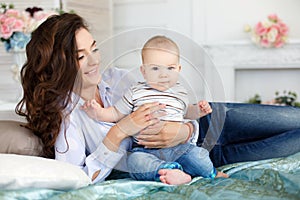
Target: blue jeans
{"x": 143, "y": 164}
{"x": 236, "y": 132}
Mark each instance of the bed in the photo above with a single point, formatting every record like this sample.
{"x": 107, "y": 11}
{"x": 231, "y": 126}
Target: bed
{"x": 32, "y": 177}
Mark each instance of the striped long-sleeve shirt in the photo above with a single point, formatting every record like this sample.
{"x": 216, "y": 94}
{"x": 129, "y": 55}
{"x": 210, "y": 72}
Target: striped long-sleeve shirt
{"x": 175, "y": 99}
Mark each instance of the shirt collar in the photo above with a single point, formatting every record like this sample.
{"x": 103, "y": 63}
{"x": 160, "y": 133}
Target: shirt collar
{"x": 105, "y": 93}
{"x": 104, "y": 90}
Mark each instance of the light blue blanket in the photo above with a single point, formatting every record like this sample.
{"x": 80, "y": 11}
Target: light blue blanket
{"x": 268, "y": 179}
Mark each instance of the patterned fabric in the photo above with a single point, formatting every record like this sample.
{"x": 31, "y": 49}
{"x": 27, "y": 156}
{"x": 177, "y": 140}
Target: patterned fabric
{"x": 175, "y": 99}
{"x": 274, "y": 179}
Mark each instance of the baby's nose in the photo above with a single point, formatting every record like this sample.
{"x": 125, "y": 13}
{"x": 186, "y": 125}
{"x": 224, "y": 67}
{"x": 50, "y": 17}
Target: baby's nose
{"x": 164, "y": 72}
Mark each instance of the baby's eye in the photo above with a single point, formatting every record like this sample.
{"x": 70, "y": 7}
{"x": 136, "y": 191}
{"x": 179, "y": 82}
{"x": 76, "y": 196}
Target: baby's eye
{"x": 171, "y": 68}
{"x": 155, "y": 68}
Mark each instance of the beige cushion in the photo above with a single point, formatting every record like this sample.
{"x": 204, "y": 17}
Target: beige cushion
{"x": 16, "y": 139}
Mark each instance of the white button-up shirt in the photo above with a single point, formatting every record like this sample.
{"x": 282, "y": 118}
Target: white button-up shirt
{"x": 80, "y": 141}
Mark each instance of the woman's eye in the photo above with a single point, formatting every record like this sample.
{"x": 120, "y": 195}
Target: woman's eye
{"x": 95, "y": 50}
{"x": 80, "y": 57}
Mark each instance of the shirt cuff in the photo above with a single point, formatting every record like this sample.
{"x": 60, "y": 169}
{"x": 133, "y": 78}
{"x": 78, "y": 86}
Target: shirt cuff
{"x": 194, "y": 137}
{"x": 107, "y": 157}
{"x": 104, "y": 160}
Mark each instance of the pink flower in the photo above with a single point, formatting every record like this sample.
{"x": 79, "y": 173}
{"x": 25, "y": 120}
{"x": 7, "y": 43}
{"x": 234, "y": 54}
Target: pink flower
{"x": 270, "y": 33}
{"x": 279, "y": 42}
{"x": 273, "y": 17}
{"x": 12, "y": 13}
{"x": 10, "y": 21}
{"x": 2, "y": 18}
{"x": 18, "y": 26}
{"x": 275, "y": 26}
{"x": 6, "y": 31}
{"x": 264, "y": 42}
{"x": 260, "y": 29}
{"x": 283, "y": 28}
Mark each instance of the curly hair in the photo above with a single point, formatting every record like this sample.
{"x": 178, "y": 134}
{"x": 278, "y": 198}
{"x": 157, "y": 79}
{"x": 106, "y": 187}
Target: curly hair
{"x": 48, "y": 77}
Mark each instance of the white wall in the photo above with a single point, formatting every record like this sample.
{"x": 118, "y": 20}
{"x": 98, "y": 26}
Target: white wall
{"x": 224, "y": 19}
{"x": 205, "y": 22}
{"x": 98, "y": 14}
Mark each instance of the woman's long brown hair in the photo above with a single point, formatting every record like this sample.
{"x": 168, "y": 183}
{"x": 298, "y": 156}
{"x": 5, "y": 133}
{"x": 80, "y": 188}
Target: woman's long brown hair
{"x": 48, "y": 77}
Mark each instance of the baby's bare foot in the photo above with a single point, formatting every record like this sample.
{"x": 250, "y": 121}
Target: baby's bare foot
{"x": 173, "y": 176}
{"x": 222, "y": 174}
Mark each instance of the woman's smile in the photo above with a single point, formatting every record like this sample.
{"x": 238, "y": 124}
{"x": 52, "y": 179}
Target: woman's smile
{"x": 93, "y": 71}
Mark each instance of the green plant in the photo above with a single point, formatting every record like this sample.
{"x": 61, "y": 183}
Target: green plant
{"x": 286, "y": 99}
{"x": 255, "y": 100}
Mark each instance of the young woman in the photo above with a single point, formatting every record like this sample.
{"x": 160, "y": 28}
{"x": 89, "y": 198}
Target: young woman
{"x": 61, "y": 73}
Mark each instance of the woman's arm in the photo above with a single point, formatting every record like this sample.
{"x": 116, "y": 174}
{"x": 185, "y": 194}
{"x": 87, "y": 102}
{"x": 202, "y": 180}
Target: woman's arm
{"x": 71, "y": 146}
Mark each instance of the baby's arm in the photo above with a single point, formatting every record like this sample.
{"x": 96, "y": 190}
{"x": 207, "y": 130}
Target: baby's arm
{"x": 198, "y": 110}
{"x": 95, "y": 111}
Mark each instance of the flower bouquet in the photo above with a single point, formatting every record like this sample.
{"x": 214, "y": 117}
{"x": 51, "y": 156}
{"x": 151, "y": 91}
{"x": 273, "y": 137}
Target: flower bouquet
{"x": 269, "y": 33}
{"x": 16, "y": 26}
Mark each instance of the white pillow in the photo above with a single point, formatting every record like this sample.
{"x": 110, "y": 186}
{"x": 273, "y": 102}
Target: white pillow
{"x": 19, "y": 171}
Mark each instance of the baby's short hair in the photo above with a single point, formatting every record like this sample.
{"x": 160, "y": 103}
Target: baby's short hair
{"x": 162, "y": 43}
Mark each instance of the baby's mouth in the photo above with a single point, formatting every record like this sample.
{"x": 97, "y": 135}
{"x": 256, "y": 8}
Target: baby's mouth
{"x": 164, "y": 82}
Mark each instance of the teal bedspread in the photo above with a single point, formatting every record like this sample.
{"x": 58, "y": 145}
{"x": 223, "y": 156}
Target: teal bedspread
{"x": 267, "y": 179}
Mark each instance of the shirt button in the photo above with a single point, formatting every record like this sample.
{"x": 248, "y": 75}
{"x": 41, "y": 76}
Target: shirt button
{"x": 105, "y": 153}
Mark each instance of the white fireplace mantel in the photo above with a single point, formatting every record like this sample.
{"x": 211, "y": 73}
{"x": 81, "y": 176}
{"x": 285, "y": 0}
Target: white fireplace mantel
{"x": 228, "y": 58}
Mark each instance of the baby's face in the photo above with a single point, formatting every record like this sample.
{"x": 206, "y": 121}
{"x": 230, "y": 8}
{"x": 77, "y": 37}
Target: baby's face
{"x": 160, "y": 69}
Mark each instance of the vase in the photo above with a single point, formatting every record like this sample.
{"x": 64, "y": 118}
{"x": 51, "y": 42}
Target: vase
{"x": 19, "y": 58}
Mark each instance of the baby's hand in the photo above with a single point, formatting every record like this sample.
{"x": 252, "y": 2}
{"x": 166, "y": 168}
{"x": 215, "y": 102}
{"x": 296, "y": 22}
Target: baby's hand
{"x": 204, "y": 108}
{"x": 91, "y": 107}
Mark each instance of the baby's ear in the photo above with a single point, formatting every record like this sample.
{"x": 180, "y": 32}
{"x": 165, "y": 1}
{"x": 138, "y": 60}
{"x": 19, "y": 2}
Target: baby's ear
{"x": 179, "y": 67}
{"x": 142, "y": 69}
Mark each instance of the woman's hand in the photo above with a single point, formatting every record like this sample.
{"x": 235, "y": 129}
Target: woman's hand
{"x": 164, "y": 134}
{"x": 146, "y": 115}
{"x": 143, "y": 117}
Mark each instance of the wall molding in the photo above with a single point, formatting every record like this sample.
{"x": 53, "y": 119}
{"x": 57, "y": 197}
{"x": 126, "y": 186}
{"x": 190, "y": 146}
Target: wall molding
{"x": 243, "y": 55}
{"x": 228, "y": 58}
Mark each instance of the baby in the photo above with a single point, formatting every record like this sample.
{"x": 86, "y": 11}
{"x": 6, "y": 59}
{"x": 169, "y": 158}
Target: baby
{"x": 160, "y": 69}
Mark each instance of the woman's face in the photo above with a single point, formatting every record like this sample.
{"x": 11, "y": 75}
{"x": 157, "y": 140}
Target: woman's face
{"x": 88, "y": 58}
